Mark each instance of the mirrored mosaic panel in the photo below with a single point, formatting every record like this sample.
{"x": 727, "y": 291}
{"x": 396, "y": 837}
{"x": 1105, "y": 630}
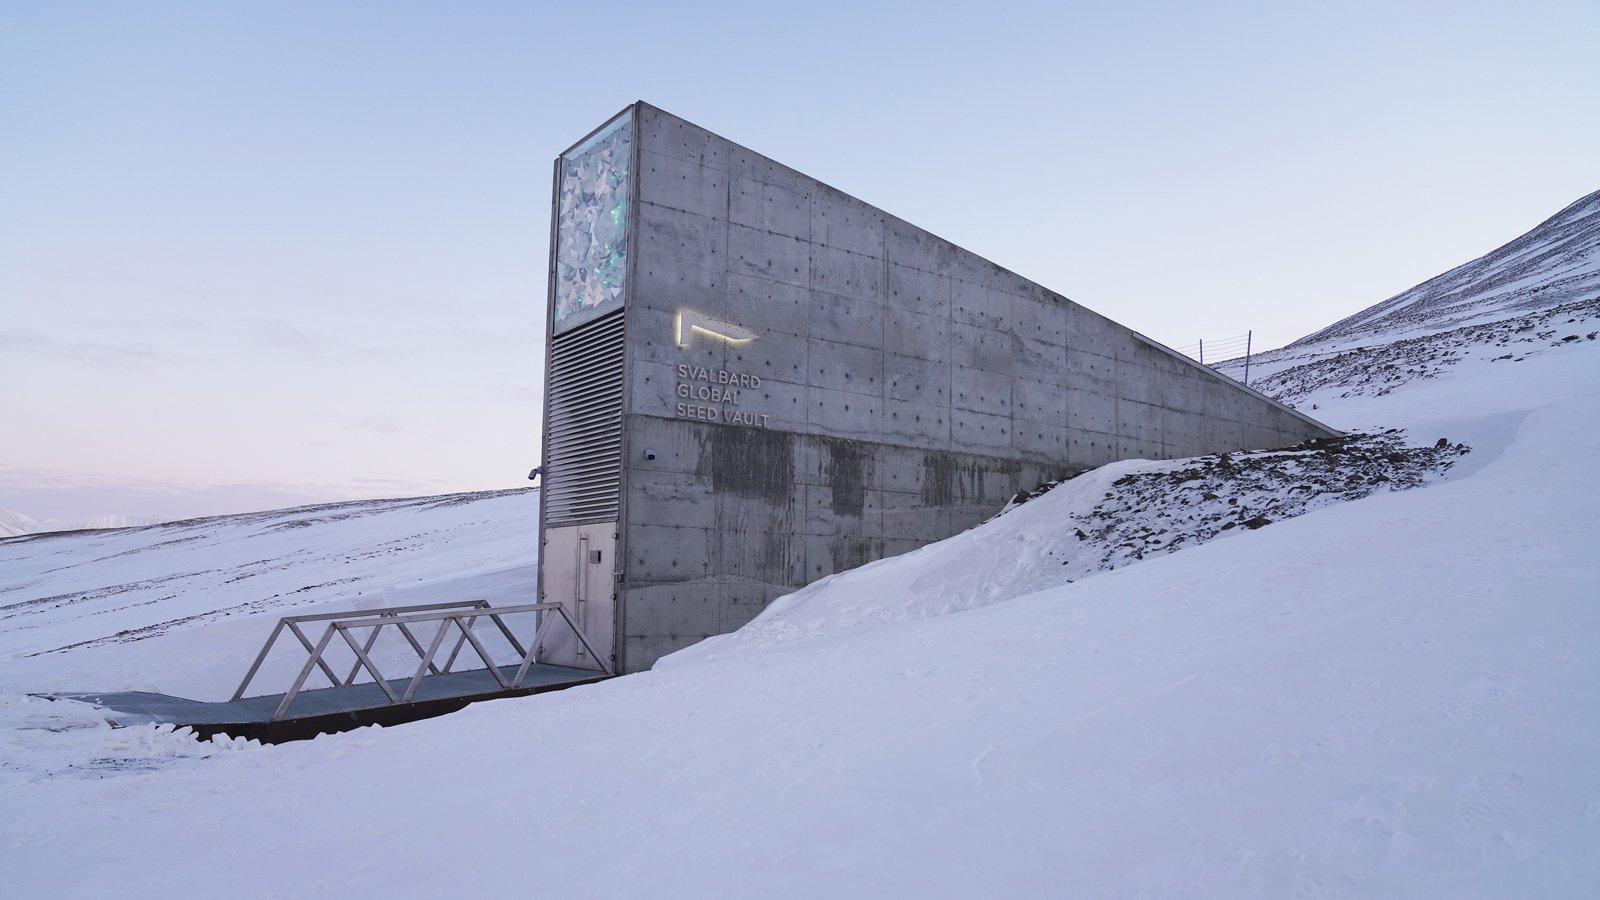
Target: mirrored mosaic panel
{"x": 592, "y": 224}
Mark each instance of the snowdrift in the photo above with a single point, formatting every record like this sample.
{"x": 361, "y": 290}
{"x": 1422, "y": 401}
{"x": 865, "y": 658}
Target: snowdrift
{"x": 1391, "y": 697}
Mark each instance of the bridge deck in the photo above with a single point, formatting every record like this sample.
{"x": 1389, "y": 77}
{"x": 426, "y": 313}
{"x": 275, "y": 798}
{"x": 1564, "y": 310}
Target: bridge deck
{"x": 328, "y": 710}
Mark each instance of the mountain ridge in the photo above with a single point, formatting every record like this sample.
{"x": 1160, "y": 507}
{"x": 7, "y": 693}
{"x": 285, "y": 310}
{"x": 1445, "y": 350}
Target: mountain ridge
{"x": 1537, "y": 294}
{"x": 1555, "y": 262}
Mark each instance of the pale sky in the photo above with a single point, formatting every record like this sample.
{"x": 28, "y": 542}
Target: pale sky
{"x": 256, "y": 255}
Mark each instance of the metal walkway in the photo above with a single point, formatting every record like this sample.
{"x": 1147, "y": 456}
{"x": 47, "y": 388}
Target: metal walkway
{"x": 431, "y": 689}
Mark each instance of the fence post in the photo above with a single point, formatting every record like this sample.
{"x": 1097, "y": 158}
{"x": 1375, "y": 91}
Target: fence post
{"x": 1202, "y": 351}
{"x": 1247, "y": 336}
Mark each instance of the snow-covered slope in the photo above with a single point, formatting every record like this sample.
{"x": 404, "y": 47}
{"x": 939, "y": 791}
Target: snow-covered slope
{"x": 1387, "y": 698}
{"x": 1537, "y": 294}
{"x": 181, "y": 608}
{"x": 1102, "y": 520}
{"x": 1392, "y": 697}
{"x": 1555, "y": 264}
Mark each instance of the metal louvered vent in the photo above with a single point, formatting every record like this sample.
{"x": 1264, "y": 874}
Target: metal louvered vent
{"x": 583, "y": 466}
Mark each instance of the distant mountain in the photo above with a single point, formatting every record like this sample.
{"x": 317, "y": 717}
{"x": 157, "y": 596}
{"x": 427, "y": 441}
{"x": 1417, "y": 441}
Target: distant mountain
{"x": 103, "y": 521}
{"x": 1555, "y": 264}
{"x": 1537, "y": 294}
{"x": 15, "y": 523}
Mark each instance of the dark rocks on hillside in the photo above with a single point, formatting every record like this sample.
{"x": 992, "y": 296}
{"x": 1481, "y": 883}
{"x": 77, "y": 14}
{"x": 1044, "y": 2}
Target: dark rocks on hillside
{"x": 1378, "y": 369}
{"x": 1194, "y": 500}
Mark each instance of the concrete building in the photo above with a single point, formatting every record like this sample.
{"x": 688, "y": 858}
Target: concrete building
{"x": 755, "y": 380}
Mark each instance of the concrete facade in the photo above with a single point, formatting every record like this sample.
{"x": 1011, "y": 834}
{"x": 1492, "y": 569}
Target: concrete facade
{"x": 861, "y": 388}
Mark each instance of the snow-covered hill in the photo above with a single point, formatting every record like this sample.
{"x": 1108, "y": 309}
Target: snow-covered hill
{"x": 1538, "y": 294}
{"x": 1555, "y": 264}
{"x": 1387, "y": 697}
{"x": 181, "y": 608}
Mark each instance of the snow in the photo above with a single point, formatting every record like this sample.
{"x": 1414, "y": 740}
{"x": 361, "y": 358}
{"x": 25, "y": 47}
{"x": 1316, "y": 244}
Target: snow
{"x": 1391, "y": 697}
{"x": 182, "y": 608}
{"x": 1106, "y": 519}
{"x": 1557, "y": 262}
{"x": 13, "y": 524}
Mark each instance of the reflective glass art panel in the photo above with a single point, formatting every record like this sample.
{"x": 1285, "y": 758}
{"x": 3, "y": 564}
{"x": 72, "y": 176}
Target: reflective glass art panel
{"x": 592, "y": 224}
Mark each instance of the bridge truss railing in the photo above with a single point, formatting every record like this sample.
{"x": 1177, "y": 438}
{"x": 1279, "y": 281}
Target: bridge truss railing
{"x": 459, "y": 616}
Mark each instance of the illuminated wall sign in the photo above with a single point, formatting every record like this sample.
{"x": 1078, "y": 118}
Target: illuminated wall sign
{"x": 690, "y": 322}
{"x": 715, "y": 395}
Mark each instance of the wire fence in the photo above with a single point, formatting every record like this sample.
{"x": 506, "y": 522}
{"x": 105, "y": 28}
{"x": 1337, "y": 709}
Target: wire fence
{"x": 1218, "y": 351}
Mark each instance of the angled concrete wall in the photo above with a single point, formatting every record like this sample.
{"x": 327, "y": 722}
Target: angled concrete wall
{"x": 895, "y": 389}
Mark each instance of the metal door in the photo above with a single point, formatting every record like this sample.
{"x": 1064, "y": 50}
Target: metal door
{"x": 580, "y": 564}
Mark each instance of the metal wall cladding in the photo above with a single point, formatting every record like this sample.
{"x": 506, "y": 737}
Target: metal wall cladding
{"x": 583, "y": 462}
